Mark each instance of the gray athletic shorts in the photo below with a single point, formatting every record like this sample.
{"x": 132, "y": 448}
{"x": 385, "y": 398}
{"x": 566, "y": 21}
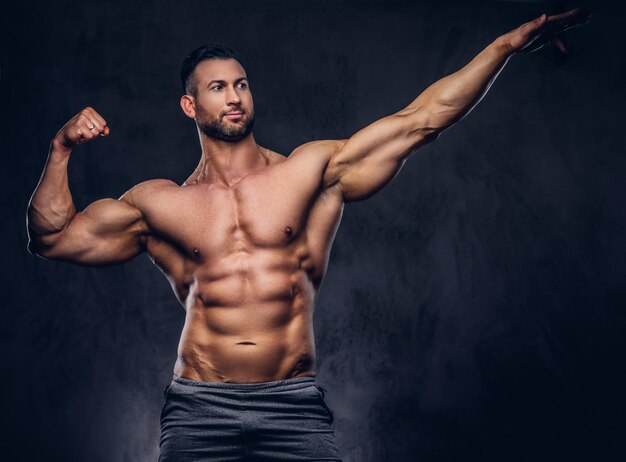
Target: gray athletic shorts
{"x": 267, "y": 421}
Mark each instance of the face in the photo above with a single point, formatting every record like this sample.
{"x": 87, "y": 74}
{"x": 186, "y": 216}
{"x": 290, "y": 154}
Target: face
{"x": 221, "y": 88}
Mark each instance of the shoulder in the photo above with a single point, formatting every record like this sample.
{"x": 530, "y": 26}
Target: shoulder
{"x": 317, "y": 156}
{"x": 320, "y": 149}
{"x": 142, "y": 192}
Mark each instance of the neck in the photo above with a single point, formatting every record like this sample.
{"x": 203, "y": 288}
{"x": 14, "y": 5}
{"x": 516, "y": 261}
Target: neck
{"x": 226, "y": 163}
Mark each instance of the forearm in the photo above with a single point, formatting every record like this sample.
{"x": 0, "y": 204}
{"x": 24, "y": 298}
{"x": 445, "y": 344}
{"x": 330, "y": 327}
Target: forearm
{"x": 51, "y": 206}
{"x": 453, "y": 97}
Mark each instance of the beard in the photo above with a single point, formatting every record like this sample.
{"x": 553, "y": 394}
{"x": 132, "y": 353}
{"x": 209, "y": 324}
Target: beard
{"x": 224, "y": 130}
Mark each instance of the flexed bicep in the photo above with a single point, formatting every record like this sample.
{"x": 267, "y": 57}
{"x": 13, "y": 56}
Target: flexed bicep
{"x": 107, "y": 232}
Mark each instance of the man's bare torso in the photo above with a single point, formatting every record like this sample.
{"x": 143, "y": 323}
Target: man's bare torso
{"x": 246, "y": 261}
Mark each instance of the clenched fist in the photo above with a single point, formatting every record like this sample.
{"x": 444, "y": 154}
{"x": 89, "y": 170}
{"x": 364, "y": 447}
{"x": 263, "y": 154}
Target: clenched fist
{"x": 83, "y": 127}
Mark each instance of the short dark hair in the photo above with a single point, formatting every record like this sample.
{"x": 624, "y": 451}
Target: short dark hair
{"x": 203, "y": 53}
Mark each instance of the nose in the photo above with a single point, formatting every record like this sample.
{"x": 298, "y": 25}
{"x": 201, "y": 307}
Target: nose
{"x": 232, "y": 97}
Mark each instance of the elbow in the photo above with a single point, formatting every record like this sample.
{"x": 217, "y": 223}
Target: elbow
{"x": 41, "y": 246}
{"x": 33, "y": 245}
{"x": 35, "y": 248}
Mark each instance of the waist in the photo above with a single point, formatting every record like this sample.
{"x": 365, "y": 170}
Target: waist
{"x": 274, "y": 385}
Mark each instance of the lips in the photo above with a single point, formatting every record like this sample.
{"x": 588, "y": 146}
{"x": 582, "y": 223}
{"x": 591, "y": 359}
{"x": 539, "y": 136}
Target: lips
{"x": 233, "y": 115}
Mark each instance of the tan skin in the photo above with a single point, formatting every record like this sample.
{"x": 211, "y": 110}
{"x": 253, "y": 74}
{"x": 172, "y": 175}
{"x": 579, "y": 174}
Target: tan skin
{"x": 245, "y": 240}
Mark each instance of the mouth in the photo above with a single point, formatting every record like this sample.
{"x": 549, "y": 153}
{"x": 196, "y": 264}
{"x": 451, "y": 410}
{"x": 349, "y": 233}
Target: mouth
{"x": 233, "y": 115}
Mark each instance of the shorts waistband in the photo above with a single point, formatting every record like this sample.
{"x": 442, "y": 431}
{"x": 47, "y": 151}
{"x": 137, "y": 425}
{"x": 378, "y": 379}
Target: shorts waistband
{"x": 276, "y": 385}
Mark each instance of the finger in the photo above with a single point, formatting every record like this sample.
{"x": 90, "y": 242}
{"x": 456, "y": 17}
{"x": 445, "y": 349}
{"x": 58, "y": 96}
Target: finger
{"x": 93, "y": 122}
{"x": 82, "y": 136}
{"x": 560, "y": 45}
{"x": 105, "y": 131}
{"x": 98, "y": 121}
{"x": 559, "y": 29}
{"x": 88, "y": 129}
{"x": 95, "y": 126}
{"x": 579, "y": 22}
{"x": 97, "y": 117}
{"x": 87, "y": 125}
{"x": 86, "y": 117}
{"x": 566, "y": 15}
{"x": 572, "y": 18}
{"x": 92, "y": 126}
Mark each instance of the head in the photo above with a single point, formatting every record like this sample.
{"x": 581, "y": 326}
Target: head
{"x": 215, "y": 84}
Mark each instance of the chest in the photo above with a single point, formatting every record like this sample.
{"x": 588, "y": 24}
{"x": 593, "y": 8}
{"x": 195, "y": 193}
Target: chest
{"x": 260, "y": 211}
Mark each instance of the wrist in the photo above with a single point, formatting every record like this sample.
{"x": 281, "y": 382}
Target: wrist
{"x": 56, "y": 146}
{"x": 502, "y": 46}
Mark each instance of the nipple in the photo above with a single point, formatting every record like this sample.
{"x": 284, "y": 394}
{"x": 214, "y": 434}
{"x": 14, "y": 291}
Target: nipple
{"x": 288, "y": 231}
{"x": 196, "y": 251}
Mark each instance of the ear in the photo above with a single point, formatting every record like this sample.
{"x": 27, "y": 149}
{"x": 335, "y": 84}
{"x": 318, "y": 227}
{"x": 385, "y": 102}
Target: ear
{"x": 188, "y": 105}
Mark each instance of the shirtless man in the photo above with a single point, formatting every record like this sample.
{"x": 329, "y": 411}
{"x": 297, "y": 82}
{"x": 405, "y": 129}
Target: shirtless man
{"x": 245, "y": 241}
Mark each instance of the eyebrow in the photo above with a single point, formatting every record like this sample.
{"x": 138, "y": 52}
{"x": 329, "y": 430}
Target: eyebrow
{"x": 224, "y": 81}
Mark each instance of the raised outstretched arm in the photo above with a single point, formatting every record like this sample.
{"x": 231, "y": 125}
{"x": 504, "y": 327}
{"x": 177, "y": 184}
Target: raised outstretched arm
{"x": 373, "y": 156}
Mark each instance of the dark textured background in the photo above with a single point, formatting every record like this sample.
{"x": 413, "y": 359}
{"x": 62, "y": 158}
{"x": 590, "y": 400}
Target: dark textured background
{"x": 473, "y": 310}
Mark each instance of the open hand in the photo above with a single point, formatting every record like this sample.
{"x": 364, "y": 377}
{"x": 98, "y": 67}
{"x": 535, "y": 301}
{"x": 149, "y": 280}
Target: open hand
{"x": 533, "y": 35}
{"x": 83, "y": 127}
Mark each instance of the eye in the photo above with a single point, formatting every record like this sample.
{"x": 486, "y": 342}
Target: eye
{"x": 243, "y": 85}
{"x": 216, "y": 87}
